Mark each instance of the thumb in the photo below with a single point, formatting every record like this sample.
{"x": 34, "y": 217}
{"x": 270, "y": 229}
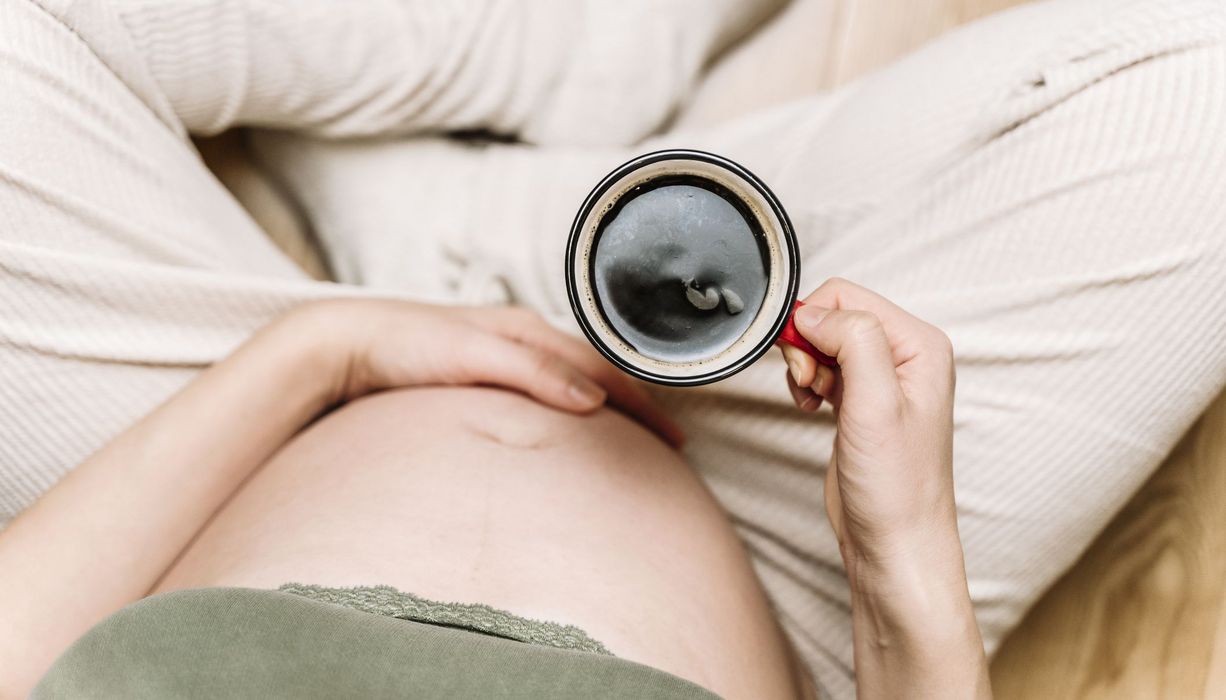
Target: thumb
{"x": 858, "y": 341}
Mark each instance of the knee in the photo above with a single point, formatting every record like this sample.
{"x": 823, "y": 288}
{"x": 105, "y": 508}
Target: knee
{"x": 1162, "y": 86}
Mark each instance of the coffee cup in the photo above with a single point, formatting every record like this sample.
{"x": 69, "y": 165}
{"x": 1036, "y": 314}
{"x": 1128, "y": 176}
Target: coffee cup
{"x": 682, "y": 268}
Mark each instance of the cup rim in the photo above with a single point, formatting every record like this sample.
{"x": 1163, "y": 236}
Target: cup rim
{"x": 787, "y": 238}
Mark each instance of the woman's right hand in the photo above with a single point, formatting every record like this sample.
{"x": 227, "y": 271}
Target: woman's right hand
{"x": 890, "y": 477}
{"x": 889, "y": 491}
{"x": 369, "y": 345}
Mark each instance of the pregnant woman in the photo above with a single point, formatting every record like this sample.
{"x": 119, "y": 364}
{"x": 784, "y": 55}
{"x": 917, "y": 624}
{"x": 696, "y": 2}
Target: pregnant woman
{"x": 481, "y": 457}
{"x": 341, "y": 489}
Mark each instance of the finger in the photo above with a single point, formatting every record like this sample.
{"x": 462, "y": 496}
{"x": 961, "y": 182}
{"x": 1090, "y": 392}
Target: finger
{"x": 801, "y": 365}
{"x": 803, "y": 397}
{"x": 911, "y": 339}
{"x": 624, "y": 392}
{"x": 824, "y": 382}
{"x": 493, "y": 359}
{"x": 859, "y": 343}
{"x": 798, "y": 393}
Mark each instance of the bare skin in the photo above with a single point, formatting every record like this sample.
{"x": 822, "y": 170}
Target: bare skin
{"x": 544, "y": 501}
{"x": 482, "y": 495}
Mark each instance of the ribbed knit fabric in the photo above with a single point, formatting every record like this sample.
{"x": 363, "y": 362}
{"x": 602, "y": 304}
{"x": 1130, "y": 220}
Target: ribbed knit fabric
{"x": 126, "y": 267}
{"x": 1047, "y": 185}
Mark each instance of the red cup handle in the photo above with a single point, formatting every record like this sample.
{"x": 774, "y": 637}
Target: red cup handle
{"x": 792, "y": 337}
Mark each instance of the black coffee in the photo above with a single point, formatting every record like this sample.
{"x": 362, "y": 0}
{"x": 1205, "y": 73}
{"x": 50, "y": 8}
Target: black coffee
{"x": 680, "y": 267}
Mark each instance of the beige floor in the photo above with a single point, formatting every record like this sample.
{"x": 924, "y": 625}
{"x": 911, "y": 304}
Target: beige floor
{"x": 1142, "y": 613}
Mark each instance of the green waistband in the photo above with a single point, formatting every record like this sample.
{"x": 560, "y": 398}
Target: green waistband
{"x": 475, "y": 617}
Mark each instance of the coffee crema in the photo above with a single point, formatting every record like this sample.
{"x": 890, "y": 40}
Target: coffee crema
{"x": 680, "y": 267}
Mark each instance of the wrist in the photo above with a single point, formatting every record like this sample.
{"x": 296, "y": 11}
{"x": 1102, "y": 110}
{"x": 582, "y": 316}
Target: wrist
{"x": 913, "y": 621}
{"x": 913, "y": 580}
{"x": 313, "y": 350}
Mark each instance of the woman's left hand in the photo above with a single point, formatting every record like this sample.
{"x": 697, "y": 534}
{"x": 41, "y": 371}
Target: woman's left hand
{"x": 371, "y": 345}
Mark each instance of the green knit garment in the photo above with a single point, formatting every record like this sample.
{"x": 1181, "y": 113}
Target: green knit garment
{"x": 257, "y": 644}
{"x": 475, "y": 617}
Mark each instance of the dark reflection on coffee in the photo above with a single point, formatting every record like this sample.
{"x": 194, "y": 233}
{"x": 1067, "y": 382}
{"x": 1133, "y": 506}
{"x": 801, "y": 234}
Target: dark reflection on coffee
{"x": 680, "y": 267}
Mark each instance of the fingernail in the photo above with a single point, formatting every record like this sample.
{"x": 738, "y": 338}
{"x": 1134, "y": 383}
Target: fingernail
{"x": 811, "y": 404}
{"x": 586, "y": 391}
{"x": 809, "y": 316}
{"x": 794, "y": 369}
{"x": 823, "y": 381}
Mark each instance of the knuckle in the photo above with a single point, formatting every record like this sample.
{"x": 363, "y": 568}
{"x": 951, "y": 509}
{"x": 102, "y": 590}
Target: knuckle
{"x": 838, "y": 286}
{"x": 940, "y": 344}
{"x": 545, "y": 364}
{"x": 520, "y": 315}
{"x": 863, "y": 324}
{"x": 469, "y": 355}
{"x": 508, "y": 319}
{"x": 941, "y": 350}
{"x": 835, "y": 283}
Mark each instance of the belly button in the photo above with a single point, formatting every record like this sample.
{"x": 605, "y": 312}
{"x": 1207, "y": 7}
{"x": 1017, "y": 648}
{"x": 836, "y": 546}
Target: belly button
{"x": 507, "y": 435}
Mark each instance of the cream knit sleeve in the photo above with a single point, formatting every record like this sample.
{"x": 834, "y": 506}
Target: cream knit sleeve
{"x": 557, "y": 71}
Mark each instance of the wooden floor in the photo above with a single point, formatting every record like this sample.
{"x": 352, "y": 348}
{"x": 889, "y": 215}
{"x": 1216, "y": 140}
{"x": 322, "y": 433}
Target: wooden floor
{"x": 1142, "y": 613}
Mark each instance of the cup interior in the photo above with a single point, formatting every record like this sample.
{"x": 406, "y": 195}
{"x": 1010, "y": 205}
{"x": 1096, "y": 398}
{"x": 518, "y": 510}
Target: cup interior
{"x": 682, "y": 267}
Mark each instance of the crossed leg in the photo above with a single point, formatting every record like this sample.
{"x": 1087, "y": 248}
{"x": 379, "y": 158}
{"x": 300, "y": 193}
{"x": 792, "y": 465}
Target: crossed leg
{"x": 1045, "y": 185}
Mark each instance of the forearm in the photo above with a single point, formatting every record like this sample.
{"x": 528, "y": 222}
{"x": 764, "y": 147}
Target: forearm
{"x": 110, "y": 530}
{"x": 105, "y": 534}
{"x": 890, "y": 493}
{"x": 914, "y": 627}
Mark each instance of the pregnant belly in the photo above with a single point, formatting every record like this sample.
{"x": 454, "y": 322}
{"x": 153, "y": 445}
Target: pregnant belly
{"x": 484, "y": 496}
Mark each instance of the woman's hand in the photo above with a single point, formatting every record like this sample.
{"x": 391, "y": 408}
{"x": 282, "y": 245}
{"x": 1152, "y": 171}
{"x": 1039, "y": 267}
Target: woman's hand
{"x": 890, "y": 478}
{"x": 889, "y": 490}
{"x": 370, "y": 345}
{"x": 123, "y": 516}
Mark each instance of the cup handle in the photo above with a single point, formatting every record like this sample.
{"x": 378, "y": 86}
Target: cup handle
{"x": 791, "y": 336}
